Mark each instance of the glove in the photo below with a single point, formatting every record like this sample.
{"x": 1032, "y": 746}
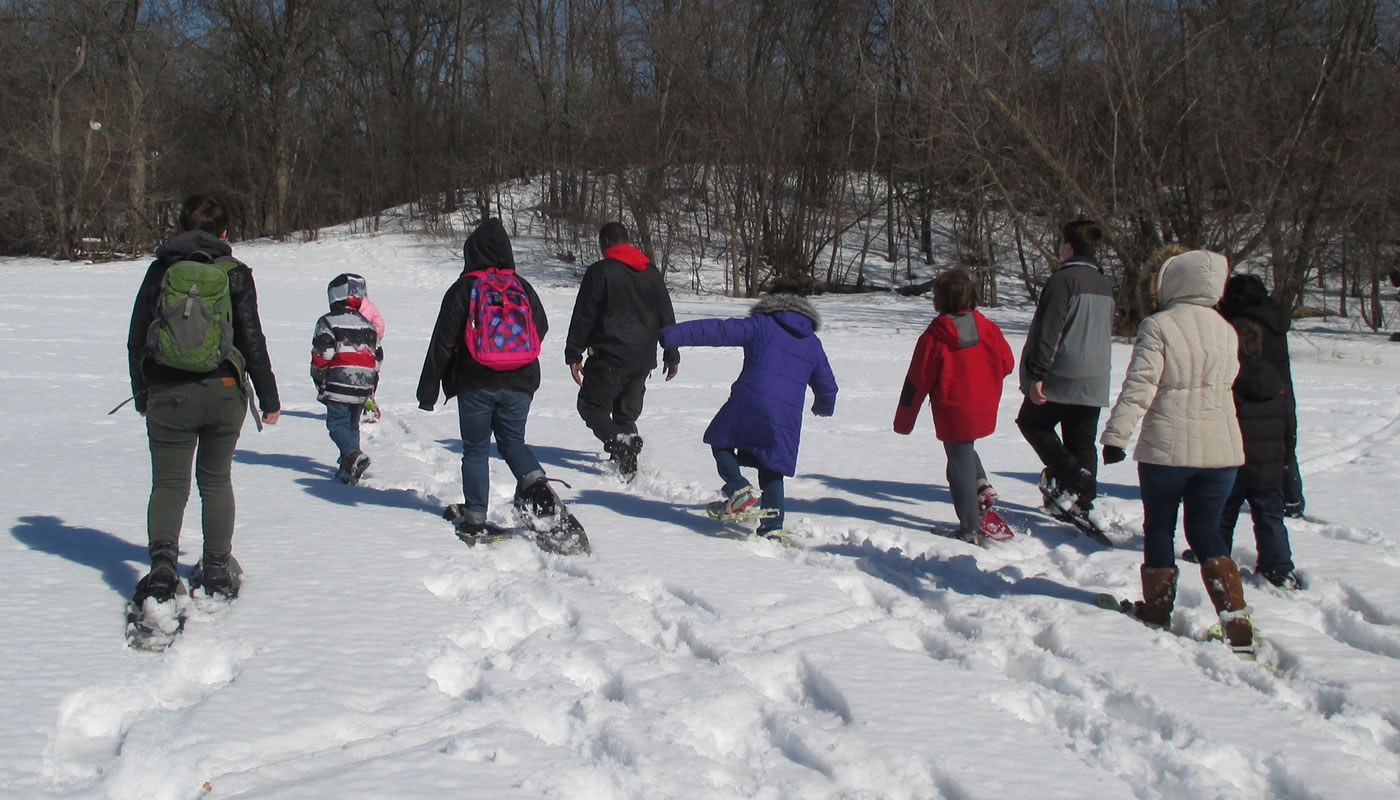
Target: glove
{"x": 1112, "y": 455}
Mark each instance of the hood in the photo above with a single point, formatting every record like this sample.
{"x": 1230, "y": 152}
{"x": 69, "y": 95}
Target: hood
{"x": 182, "y": 245}
{"x": 347, "y": 288}
{"x": 488, "y": 246}
{"x": 956, "y": 330}
{"x": 628, "y": 255}
{"x": 1245, "y": 296}
{"x": 1196, "y": 277}
{"x": 795, "y": 314}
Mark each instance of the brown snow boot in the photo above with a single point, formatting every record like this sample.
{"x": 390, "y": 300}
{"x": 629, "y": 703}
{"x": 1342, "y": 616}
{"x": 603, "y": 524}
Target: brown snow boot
{"x": 1158, "y": 596}
{"x": 1222, "y": 580}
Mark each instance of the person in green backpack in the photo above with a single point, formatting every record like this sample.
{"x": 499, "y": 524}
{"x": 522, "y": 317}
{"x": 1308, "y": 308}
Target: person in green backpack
{"x": 195, "y": 341}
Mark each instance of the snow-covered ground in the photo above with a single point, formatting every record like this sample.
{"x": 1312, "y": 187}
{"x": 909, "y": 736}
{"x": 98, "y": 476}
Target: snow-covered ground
{"x": 373, "y": 655}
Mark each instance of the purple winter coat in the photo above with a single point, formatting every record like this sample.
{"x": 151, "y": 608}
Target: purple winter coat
{"x": 782, "y": 357}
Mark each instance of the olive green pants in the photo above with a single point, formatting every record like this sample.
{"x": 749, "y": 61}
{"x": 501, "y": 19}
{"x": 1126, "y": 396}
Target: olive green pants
{"x": 195, "y": 422}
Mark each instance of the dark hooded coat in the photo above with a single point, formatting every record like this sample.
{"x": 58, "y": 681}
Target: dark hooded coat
{"x": 1246, "y": 297}
{"x": 447, "y": 362}
{"x": 1261, "y": 404}
{"x": 248, "y": 336}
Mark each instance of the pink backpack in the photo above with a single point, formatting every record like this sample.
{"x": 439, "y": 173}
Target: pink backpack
{"x": 500, "y": 332}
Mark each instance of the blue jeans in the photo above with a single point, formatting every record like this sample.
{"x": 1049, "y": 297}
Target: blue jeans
{"x": 1199, "y": 492}
{"x": 481, "y": 413}
{"x": 1293, "y": 486}
{"x": 1270, "y": 534}
{"x": 770, "y": 483}
{"x": 343, "y": 422}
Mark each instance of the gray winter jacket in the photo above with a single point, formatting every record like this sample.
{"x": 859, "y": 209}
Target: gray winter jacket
{"x": 1067, "y": 346}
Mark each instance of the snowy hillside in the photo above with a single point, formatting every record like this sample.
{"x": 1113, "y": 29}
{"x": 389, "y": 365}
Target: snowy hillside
{"x": 372, "y": 655}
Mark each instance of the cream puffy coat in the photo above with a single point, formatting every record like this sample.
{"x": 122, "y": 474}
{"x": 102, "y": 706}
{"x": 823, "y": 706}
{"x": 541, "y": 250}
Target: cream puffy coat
{"x": 1183, "y": 366}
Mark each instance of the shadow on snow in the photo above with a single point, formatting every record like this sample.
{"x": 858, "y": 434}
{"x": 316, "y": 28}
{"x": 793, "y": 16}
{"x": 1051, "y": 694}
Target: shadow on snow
{"x": 107, "y": 553}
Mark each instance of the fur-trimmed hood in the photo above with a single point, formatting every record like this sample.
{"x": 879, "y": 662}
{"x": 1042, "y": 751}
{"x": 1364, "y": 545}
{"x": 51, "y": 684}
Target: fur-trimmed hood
{"x": 776, "y": 304}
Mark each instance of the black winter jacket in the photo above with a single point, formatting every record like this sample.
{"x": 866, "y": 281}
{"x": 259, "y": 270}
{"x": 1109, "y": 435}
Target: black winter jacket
{"x": 622, "y": 303}
{"x": 247, "y": 327}
{"x": 1276, "y": 321}
{"x": 447, "y": 362}
{"x": 1261, "y": 404}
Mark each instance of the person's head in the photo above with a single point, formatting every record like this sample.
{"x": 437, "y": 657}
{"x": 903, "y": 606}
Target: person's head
{"x": 1251, "y": 337}
{"x": 1080, "y": 239}
{"x": 347, "y": 288}
{"x": 1196, "y": 277}
{"x": 613, "y": 233}
{"x": 954, "y": 291}
{"x": 202, "y": 212}
{"x": 1243, "y": 291}
{"x": 488, "y": 246}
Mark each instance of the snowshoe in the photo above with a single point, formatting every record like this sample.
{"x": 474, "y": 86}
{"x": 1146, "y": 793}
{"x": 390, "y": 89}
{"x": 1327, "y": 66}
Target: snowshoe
{"x": 156, "y": 611}
{"x": 1065, "y": 506}
{"x": 994, "y": 527}
{"x": 557, "y": 530}
{"x": 954, "y": 532}
{"x": 566, "y": 537}
{"x": 716, "y": 511}
{"x": 1258, "y": 651}
{"x": 352, "y": 467}
{"x": 623, "y": 450}
{"x": 475, "y": 533}
{"x": 1058, "y": 500}
{"x": 742, "y": 506}
{"x": 1082, "y": 522}
{"x": 1286, "y": 579}
{"x": 218, "y": 577}
{"x": 779, "y": 536}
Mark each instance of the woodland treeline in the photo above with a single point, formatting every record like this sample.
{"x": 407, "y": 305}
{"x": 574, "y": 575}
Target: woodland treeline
{"x": 760, "y": 132}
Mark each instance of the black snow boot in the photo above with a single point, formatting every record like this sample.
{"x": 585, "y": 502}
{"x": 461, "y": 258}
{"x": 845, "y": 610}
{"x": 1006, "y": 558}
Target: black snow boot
{"x": 218, "y": 576}
{"x": 163, "y": 581}
{"x": 623, "y": 450}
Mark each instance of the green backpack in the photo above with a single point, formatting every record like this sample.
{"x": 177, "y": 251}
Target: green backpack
{"x": 193, "y": 326}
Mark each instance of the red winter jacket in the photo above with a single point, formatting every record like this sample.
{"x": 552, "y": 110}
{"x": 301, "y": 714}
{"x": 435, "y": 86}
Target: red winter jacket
{"x": 959, "y": 364}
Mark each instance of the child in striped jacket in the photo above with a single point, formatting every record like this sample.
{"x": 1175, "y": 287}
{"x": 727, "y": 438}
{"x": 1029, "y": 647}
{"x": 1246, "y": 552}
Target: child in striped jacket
{"x": 345, "y": 359}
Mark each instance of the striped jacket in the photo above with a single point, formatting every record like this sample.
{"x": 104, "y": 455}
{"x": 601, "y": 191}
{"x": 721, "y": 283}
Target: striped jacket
{"x": 345, "y": 351}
